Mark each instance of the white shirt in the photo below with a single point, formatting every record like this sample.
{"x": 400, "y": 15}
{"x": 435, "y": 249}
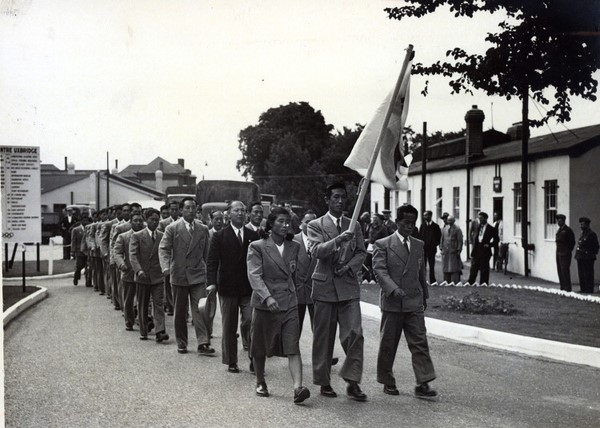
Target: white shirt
{"x": 240, "y": 231}
{"x": 251, "y": 226}
{"x": 481, "y": 232}
{"x": 404, "y": 240}
{"x": 188, "y": 226}
{"x": 280, "y": 249}
{"x": 335, "y": 219}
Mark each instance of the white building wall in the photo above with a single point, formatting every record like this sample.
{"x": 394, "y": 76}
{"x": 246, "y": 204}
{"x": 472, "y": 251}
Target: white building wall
{"x": 62, "y": 195}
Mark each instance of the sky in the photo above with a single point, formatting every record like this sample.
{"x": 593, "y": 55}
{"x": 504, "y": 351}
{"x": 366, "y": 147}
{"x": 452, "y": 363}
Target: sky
{"x": 179, "y": 79}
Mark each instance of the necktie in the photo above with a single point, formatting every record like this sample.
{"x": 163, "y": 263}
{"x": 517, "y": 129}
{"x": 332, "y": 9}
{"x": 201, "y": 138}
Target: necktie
{"x": 239, "y": 235}
{"x": 406, "y": 245}
{"x": 153, "y": 236}
{"x": 339, "y": 226}
{"x": 190, "y": 228}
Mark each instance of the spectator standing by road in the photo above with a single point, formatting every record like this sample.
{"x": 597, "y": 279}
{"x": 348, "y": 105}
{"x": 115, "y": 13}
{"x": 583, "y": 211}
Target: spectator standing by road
{"x": 587, "y": 249}
{"x": 565, "y": 242}
{"x": 430, "y": 233}
{"x": 451, "y": 246}
{"x": 481, "y": 254}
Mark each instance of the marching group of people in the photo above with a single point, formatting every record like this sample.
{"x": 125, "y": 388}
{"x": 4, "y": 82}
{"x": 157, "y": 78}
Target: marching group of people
{"x": 151, "y": 264}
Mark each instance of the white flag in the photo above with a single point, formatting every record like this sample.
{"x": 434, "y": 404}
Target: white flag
{"x": 390, "y": 169}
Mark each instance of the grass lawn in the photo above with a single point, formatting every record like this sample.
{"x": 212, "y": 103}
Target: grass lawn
{"x": 12, "y": 294}
{"x": 59, "y": 266}
{"x": 539, "y": 314}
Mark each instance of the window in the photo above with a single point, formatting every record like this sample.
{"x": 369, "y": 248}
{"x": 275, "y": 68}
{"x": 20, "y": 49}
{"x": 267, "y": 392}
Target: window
{"x": 456, "y": 202}
{"x": 550, "y": 209}
{"x": 408, "y": 197}
{"x": 438, "y": 202}
{"x": 518, "y": 202}
{"x": 476, "y": 201}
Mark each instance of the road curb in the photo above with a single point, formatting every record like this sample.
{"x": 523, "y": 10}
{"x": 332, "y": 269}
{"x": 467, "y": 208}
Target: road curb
{"x": 23, "y": 304}
{"x": 31, "y": 278}
{"x": 566, "y": 352}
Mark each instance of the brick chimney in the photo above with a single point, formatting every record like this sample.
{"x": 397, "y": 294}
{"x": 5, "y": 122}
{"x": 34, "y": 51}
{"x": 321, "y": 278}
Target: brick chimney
{"x": 474, "y": 119}
{"x": 515, "y": 131}
{"x": 181, "y": 162}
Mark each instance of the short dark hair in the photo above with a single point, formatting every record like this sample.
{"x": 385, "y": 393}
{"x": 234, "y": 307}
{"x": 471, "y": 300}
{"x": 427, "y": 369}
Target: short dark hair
{"x": 264, "y": 234}
{"x": 164, "y": 207}
{"x": 336, "y": 185}
{"x": 184, "y": 200}
{"x": 212, "y": 213}
{"x": 428, "y": 212}
{"x": 174, "y": 202}
{"x": 151, "y": 211}
{"x": 564, "y": 217}
{"x": 405, "y": 209}
{"x": 483, "y": 214}
{"x": 584, "y": 220}
{"x": 253, "y": 203}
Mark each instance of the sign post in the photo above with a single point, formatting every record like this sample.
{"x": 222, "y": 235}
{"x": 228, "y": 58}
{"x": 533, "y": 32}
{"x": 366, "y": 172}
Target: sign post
{"x": 21, "y": 191}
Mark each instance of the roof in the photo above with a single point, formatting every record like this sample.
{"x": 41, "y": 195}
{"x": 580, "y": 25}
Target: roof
{"x": 134, "y": 184}
{"x": 51, "y": 182}
{"x": 167, "y": 167}
{"x": 130, "y": 170}
{"x": 572, "y": 143}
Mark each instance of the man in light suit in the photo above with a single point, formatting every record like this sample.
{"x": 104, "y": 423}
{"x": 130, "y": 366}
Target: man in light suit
{"x": 340, "y": 254}
{"x": 255, "y": 215}
{"x": 78, "y": 251}
{"x": 114, "y": 217}
{"x": 183, "y": 252}
{"x": 399, "y": 265}
{"x": 143, "y": 253}
{"x": 122, "y": 260}
{"x": 228, "y": 275}
{"x": 162, "y": 225}
{"x": 483, "y": 242}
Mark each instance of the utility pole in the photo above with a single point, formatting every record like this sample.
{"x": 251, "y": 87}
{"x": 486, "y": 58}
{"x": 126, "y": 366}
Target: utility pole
{"x": 423, "y": 168}
{"x": 525, "y": 180}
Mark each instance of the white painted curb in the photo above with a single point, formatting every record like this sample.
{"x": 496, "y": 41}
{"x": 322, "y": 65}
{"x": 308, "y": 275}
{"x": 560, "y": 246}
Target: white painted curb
{"x": 24, "y": 304}
{"x": 532, "y": 346}
{"x": 19, "y": 279}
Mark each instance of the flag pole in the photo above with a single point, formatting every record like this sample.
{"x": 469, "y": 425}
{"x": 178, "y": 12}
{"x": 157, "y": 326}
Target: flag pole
{"x": 367, "y": 178}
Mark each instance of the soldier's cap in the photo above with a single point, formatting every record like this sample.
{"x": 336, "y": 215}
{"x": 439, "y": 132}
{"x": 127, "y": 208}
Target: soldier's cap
{"x": 564, "y": 217}
{"x": 584, "y": 220}
{"x": 386, "y": 212}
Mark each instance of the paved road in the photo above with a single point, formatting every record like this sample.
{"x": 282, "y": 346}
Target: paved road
{"x": 70, "y": 363}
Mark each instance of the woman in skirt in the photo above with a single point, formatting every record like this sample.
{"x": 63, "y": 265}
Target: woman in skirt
{"x": 275, "y": 328}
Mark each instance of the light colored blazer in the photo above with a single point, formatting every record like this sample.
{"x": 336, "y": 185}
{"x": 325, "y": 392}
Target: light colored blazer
{"x": 272, "y": 275}
{"x": 115, "y": 231}
{"x": 162, "y": 225}
{"x": 121, "y": 255}
{"x": 395, "y": 268}
{"x": 105, "y": 236}
{"x": 327, "y": 286}
{"x": 183, "y": 255}
{"x": 304, "y": 271}
{"x": 144, "y": 256}
{"x": 77, "y": 240}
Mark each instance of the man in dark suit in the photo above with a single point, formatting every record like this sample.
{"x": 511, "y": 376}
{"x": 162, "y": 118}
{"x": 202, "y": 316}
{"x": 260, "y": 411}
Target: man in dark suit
{"x": 340, "y": 254}
{"x": 565, "y": 242}
{"x": 399, "y": 265}
{"x": 483, "y": 242}
{"x": 585, "y": 254}
{"x": 66, "y": 224}
{"x": 431, "y": 234}
{"x": 227, "y": 274}
{"x": 183, "y": 252}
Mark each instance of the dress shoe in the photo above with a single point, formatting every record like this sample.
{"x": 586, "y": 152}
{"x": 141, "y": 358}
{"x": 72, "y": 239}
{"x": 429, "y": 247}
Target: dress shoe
{"x": 354, "y": 392}
{"x": 150, "y": 325}
{"x": 182, "y": 350}
{"x": 425, "y": 392}
{"x": 300, "y": 394}
{"x": 128, "y": 328}
{"x": 101, "y": 293}
{"x": 334, "y": 361}
{"x": 390, "y": 390}
{"x": 161, "y": 336}
{"x": 233, "y": 368}
{"x": 117, "y": 308}
{"x": 328, "y": 391}
{"x": 143, "y": 337}
{"x": 261, "y": 389}
{"x": 75, "y": 282}
{"x": 205, "y": 349}
{"x": 170, "y": 313}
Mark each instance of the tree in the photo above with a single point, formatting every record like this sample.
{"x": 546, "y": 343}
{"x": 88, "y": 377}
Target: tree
{"x": 543, "y": 44}
{"x": 293, "y": 154}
